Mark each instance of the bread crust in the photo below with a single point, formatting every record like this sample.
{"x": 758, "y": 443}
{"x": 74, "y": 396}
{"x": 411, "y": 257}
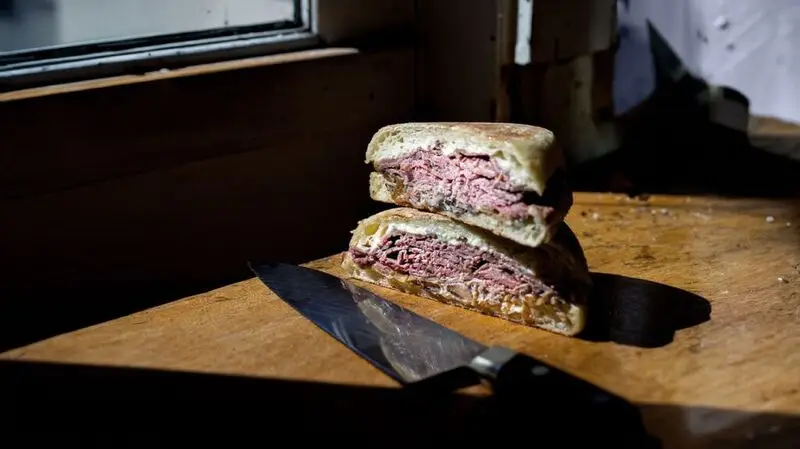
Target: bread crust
{"x": 560, "y": 264}
{"x": 530, "y": 153}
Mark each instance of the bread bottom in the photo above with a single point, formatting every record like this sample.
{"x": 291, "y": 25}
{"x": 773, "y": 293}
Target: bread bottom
{"x": 551, "y": 312}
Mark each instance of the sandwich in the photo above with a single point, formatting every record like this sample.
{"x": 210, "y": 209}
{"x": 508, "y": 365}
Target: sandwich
{"x": 506, "y": 178}
{"x": 442, "y": 259}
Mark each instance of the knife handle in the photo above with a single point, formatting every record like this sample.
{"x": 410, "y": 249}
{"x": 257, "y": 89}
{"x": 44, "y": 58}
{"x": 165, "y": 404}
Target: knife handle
{"x": 520, "y": 380}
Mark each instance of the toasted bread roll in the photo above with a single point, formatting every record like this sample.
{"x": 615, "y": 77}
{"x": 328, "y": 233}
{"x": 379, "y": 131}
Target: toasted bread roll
{"x": 506, "y": 178}
{"x": 439, "y": 258}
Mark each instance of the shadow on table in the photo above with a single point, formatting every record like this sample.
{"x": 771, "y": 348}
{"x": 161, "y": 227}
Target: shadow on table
{"x": 84, "y": 404}
{"x": 685, "y": 427}
{"x": 98, "y": 406}
{"x": 640, "y": 313}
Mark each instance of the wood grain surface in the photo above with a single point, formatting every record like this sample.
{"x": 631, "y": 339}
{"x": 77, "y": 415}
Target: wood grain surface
{"x": 697, "y": 312}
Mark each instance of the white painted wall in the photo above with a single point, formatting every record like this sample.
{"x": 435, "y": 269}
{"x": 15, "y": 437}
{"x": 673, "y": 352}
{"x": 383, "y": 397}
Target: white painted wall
{"x": 751, "y": 45}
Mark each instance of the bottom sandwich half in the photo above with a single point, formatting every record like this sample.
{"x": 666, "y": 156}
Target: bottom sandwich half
{"x": 439, "y": 258}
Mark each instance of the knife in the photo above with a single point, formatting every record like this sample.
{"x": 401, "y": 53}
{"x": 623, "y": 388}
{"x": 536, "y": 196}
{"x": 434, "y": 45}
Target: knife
{"x": 425, "y": 356}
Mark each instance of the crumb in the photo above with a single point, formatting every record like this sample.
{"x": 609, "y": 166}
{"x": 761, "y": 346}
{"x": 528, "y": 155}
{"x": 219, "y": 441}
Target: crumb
{"x": 664, "y": 211}
{"x": 725, "y": 292}
{"x": 586, "y": 234}
{"x": 595, "y": 216}
{"x": 583, "y": 213}
{"x": 783, "y": 280}
{"x": 652, "y": 211}
{"x": 770, "y": 219}
{"x": 788, "y": 224}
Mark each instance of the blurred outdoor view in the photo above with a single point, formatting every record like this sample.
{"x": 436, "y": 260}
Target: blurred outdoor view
{"x": 29, "y": 24}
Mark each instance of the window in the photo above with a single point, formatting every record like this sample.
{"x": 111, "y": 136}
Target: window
{"x": 42, "y": 41}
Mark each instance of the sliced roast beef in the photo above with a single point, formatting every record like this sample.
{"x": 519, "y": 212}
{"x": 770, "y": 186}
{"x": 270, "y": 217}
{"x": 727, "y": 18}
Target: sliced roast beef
{"x": 429, "y": 259}
{"x": 464, "y": 182}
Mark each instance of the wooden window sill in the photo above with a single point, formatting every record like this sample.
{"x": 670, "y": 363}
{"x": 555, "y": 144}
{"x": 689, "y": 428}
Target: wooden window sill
{"x": 200, "y": 69}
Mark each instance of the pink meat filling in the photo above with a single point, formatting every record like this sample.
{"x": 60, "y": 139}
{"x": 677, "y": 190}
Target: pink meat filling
{"x": 462, "y": 182}
{"x": 427, "y": 258}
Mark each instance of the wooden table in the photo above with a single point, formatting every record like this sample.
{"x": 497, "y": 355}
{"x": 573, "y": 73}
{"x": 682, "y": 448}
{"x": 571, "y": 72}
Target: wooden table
{"x": 733, "y": 378}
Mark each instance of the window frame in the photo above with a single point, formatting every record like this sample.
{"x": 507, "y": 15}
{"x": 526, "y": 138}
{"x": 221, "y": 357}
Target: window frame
{"x": 440, "y": 39}
{"x": 68, "y": 63}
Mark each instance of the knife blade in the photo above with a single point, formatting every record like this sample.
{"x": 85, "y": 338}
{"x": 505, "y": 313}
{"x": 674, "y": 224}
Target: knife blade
{"x": 420, "y": 353}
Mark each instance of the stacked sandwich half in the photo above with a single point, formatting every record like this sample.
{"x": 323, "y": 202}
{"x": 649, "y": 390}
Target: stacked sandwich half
{"x": 479, "y": 222}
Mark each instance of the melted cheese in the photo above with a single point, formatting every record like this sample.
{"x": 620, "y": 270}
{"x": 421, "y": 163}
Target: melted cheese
{"x": 444, "y": 233}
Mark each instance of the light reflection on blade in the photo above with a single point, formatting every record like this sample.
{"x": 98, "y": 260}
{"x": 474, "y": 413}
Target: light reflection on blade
{"x": 402, "y": 344}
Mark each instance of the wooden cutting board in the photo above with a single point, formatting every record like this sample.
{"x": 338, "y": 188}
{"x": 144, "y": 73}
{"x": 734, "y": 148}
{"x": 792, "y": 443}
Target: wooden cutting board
{"x": 661, "y": 263}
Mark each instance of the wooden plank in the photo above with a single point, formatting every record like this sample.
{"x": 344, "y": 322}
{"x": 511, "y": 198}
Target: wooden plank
{"x": 734, "y": 375}
{"x": 58, "y": 142}
{"x": 567, "y": 86}
{"x": 219, "y": 211}
{"x": 574, "y": 99}
{"x": 775, "y": 135}
{"x": 169, "y": 232}
{"x": 460, "y": 59}
{"x": 199, "y": 69}
{"x": 566, "y": 29}
{"x": 348, "y": 21}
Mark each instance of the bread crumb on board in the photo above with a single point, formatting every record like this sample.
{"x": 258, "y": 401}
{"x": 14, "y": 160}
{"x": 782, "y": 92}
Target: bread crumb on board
{"x": 594, "y": 215}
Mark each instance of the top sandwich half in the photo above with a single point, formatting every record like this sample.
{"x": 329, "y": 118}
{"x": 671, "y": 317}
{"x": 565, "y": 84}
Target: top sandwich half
{"x": 506, "y": 178}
